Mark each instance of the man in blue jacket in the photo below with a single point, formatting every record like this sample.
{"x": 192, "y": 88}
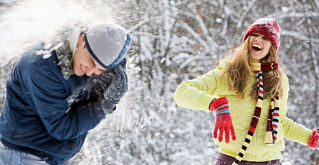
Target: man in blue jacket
{"x": 56, "y": 94}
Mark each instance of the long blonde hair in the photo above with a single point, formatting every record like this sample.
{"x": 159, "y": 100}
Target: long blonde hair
{"x": 239, "y": 72}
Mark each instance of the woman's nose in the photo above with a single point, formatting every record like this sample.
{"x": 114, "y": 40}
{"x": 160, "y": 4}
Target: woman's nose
{"x": 258, "y": 39}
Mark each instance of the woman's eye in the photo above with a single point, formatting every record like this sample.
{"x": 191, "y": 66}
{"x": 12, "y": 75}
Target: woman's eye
{"x": 265, "y": 38}
{"x": 255, "y": 35}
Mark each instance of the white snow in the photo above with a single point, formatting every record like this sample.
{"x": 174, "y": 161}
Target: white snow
{"x": 172, "y": 41}
{"x": 32, "y": 21}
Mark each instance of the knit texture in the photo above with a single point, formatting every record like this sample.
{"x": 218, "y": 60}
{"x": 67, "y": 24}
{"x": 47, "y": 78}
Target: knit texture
{"x": 275, "y": 118}
{"x": 107, "y": 44}
{"x": 267, "y": 27}
{"x": 223, "y": 121}
{"x": 314, "y": 139}
{"x": 258, "y": 70}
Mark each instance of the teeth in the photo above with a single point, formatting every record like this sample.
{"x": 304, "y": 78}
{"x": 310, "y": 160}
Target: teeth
{"x": 257, "y": 47}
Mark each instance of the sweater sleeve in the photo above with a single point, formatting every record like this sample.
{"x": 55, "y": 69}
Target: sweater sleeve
{"x": 198, "y": 93}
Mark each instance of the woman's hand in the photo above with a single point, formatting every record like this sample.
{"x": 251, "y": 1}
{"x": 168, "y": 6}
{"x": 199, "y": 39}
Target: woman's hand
{"x": 223, "y": 121}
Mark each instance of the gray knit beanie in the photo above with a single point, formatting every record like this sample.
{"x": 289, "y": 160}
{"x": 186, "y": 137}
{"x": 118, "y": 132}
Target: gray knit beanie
{"x": 107, "y": 43}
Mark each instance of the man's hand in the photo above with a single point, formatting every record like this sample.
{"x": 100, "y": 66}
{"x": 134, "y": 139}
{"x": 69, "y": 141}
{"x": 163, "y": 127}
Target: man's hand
{"x": 117, "y": 88}
{"x": 223, "y": 121}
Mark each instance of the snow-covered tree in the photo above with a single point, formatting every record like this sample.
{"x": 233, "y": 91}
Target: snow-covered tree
{"x": 174, "y": 41}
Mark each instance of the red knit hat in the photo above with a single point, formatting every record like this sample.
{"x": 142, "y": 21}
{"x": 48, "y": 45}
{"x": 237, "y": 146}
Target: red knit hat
{"x": 267, "y": 27}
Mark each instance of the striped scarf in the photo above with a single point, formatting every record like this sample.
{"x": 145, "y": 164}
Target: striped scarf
{"x": 273, "y": 114}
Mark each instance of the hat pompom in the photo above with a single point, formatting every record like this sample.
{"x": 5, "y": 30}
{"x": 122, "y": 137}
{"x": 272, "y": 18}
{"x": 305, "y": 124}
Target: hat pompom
{"x": 267, "y": 27}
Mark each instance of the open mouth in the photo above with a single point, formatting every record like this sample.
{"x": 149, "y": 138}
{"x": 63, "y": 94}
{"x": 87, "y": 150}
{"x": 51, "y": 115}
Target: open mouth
{"x": 257, "y": 48}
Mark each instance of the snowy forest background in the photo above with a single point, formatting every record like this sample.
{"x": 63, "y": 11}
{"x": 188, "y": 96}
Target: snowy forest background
{"x": 173, "y": 41}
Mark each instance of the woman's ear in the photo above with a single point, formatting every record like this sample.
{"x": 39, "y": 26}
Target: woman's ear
{"x": 81, "y": 40}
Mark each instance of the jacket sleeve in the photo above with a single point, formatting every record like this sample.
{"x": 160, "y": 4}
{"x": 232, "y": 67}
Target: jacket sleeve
{"x": 48, "y": 97}
{"x": 198, "y": 93}
{"x": 293, "y": 131}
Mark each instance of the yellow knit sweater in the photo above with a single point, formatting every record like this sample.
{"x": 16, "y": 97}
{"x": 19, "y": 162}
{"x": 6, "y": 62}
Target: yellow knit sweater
{"x": 198, "y": 93}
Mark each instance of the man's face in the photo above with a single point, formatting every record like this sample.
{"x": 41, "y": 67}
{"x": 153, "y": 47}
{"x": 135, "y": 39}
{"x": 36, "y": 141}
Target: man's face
{"x": 83, "y": 62}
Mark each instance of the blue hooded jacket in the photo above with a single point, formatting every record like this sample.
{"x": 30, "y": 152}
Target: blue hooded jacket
{"x": 36, "y": 117}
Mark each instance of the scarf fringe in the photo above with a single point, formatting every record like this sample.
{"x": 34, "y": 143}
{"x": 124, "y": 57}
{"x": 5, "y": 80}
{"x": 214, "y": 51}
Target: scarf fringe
{"x": 275, "y": 118}
{"x": 269, "y": 134}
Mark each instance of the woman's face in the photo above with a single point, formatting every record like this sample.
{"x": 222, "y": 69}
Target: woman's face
{"x": 259, "y": 46}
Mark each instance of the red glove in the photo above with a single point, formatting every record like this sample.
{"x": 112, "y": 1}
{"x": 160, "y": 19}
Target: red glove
{"x": 223, "y": 121}
{"x": 314, "y": 139}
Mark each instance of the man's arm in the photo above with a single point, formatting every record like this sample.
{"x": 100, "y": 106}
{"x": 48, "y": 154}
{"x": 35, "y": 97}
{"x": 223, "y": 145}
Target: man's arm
{"x": 49, "y": 99}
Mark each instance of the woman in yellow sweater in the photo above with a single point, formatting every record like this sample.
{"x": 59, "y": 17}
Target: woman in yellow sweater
{"x": 248, "y": 92}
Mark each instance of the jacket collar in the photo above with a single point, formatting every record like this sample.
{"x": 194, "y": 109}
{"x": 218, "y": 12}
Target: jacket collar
{"x": 65, "y": 51}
